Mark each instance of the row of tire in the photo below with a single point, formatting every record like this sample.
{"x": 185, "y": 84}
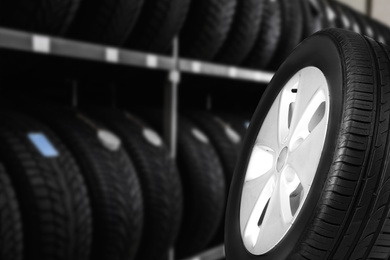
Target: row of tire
{"x": 101, "y": 184}
{"x": 253, "y": 33}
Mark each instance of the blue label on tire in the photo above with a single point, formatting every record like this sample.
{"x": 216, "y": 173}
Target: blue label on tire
{"x": 43, "y": 144}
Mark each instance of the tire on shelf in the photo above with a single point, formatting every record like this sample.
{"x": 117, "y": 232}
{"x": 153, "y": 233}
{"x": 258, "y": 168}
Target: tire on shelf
{"x": 224, "y": 138}
{"x": 112, "y": 183}
{"x": 204, "y": 186}
{"x": 206, "y": 28}
{"x": 243, "y": 32}
{"x": 53, "y": 199}
{"x": 349, "y": 19}
{"x": 51, "y": 17}
{"x": 268, "y": 37}
{"x": 341, "y": 21}
{"x": 365, "y": 25}
{"x": 105, "y": 21}
{"x": 227, "y": 142}
{"x": 384, "y": 32}
{"x": 238, "y": 122}
{"x": 159, "y": 179}
{"x": 329, "y": 14}
{"x": 159, "y": 22}
{"x": 340, "y": 208}
{"x": 291, "y": 34}
{"x": 11, "y": 233}
{"x": 311, "y": 18}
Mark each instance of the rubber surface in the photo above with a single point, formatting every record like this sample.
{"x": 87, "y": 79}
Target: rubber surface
{"x": 159, "y": 179}
{"x": 291, "y": 34}
{"x": 224, "y": 138}
{"x": 346, "y": 213}
{"x": 206, "y": 28}
{"x": 51, "y": 17}
{"x": 311, "y": 19}
{"x": 268, "y": 37}
{"x": 52, "y": 196}
{"x": 159, "y": 22}
{"x": 11, "y": 234}
{"x": 105, "y": 21}
{"x": 340, "y": 21}
{"x": 227, "y": 142}
{"x": 204, "y": 191}
{"x": 350, "y": 17}
{"x": 113, "y": 187}
{"x": 204, "y": 186}
{"x": 243, "y": 32}
{"x": 238, "y": 122}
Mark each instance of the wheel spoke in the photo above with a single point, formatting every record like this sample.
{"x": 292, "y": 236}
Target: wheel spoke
{"x": 305, "y": 157}
{"x": 267, "y": 135}
{"x": 255, "y": 196}
{"x": 310, "y": 99}
{"x": 277, "y": 218}
{"x": 276, "y": 126}
{"x": 262, "y": 160}
{"x": 287, "y": 104}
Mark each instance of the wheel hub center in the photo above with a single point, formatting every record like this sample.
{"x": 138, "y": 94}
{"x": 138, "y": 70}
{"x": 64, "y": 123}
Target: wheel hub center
{"x": 282, "y": 159}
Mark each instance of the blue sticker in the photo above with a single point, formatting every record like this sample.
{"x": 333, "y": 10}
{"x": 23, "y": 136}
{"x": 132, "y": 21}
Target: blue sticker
{"x": 43, "y": 145}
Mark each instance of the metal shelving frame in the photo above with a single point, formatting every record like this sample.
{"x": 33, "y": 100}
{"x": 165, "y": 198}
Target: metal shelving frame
{"x": 46, "y": 45}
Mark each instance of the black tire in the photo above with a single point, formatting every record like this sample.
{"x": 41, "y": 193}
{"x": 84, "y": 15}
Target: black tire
{"x": 204, "y": 186}
{"x": 227, "y": 142}
{"x": 239, "y": 123}
{"x": 292, "y": 26}
{"x": 53, "y": 199}
{"x": 105, "y": 21}
{"x": 311, "y": 19}
{"x": 206, "y": 28}
{"x": 328, "y": 13}
{"x": 11, "y": 234}
{"x": 243, "y": 32}
{"x": 365, "y": 25}
{"x": 204, "y": 191}
{"x": 223, "y": 137}
{"x": 158, "y": 24}
{"x": 159, "y": 179}
{"x": 350, "y": 19}
{"x": 340, "y": 20}
{"x": 51, "y": 17}
{"x": 268, "y": 37}
{"x": 346, "y": 213}
{"x": 383, "y": 32}
{"x": 112, "y": 184}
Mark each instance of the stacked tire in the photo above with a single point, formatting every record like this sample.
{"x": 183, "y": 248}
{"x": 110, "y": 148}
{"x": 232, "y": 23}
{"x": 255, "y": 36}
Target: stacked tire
{"x": 100, "y": 183}
{"x": 258, "y": 34}
{"x": 73, "y": 189}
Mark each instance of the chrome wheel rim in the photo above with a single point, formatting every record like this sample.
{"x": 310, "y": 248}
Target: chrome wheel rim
{"x": 284, "y": 160}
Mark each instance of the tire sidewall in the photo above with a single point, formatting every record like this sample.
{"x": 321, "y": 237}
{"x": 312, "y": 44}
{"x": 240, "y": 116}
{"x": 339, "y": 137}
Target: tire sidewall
{"x": 322, "y": 52}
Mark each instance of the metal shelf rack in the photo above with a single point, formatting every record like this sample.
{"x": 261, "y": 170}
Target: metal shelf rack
{"x": 47, "y": 45}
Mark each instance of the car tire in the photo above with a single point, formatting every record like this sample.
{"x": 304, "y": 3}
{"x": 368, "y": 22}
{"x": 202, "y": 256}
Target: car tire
{"x": 159, "y": 179}
{"x": 291, "y": 34}
{"x": 105, "y": 21}
{"x": 268, "y": 37}
{"x": 206, "y": 28}
{"x": 158, "y": 24}
{"x": 112, "y": 183}
{"x": 343, "y": 211}
{"x": 243, "y": 32}
{"x": 53, "y": 199}
{"x": 11, "y": 232}
{"x": 204, "y": 187}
